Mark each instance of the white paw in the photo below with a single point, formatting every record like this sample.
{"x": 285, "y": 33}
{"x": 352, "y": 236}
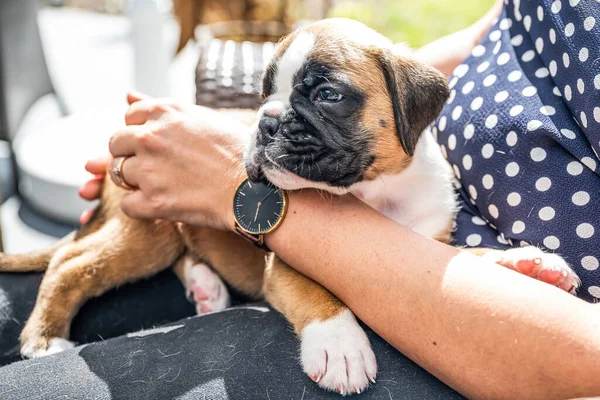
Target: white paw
{"x": 533, "y": 262}
{"x": 205, "y": 288}
{"x": 336, "y": 354}
{"x": 55, "y": 345}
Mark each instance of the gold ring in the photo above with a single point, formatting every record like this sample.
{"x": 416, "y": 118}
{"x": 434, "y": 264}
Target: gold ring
{"x": 116, "y": 173}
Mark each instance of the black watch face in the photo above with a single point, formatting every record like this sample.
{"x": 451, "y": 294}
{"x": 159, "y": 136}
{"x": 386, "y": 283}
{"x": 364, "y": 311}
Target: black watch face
{"x": 258, "y": 207}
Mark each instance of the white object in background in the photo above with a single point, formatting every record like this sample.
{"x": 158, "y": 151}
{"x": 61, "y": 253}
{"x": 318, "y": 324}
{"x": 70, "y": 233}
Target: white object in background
{"x": 152, "y": 48}
{"x": 51, "y": 158}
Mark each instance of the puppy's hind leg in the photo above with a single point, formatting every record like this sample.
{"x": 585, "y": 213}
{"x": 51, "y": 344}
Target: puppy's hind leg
{"x": 335, "y": 350}
{"x": 35, "y": 261}
{"x": 121, "y": 251}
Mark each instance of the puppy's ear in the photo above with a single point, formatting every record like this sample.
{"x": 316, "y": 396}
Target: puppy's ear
{"x": 418, "y": 93}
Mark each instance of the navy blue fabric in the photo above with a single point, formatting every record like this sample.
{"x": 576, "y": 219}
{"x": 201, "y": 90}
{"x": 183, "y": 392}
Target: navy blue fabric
{"x": 522, "y": 132}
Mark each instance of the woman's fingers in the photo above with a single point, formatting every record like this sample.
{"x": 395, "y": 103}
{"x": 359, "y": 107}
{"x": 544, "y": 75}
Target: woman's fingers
{"x": 136, "y": 205}
{"x": 127, "y": 141}
{"x": 130, "y": 171}
{"x": 98, "y": 166}
{"x": 91, "y": 189}
{"x": 133, "y": 96}
{"x": 85, "y": 216}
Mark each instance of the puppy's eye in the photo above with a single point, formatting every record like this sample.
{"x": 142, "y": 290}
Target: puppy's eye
{"x": 330, "y": 95}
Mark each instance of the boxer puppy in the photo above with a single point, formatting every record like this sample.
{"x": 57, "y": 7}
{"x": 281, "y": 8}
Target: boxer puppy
{"x": 344, "y": 111}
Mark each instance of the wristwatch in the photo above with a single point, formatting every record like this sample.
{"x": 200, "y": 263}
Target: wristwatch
{"x": 258, "y": 208}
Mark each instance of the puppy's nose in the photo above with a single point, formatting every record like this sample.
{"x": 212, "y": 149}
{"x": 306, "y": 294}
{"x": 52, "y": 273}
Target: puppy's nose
{"x": 267, "y": 128}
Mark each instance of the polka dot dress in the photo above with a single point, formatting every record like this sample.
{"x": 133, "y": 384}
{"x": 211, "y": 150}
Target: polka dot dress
{"x": 521, "y": 130}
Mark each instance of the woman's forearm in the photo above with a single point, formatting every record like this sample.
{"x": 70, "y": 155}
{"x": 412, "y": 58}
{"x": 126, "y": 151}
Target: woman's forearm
{"x": 485, "y": 330}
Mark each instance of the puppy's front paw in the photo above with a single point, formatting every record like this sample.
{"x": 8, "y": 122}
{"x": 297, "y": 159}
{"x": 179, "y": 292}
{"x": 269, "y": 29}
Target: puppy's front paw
{"x": 336, "y": 354}
{"x": 41, "y": 347}
{"x": 205, "y": 289}
{"x": 533, "y": 262}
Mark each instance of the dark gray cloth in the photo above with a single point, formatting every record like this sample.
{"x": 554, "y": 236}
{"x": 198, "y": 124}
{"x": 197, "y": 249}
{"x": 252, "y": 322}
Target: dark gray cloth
{"x": 248, "y": 352}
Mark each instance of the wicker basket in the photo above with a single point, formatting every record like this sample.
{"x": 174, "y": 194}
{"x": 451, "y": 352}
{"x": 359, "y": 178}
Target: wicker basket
{"x": 229, "y": 71}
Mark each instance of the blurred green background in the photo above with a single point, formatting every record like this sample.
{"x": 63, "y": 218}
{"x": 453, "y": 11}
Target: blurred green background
{"x": 415, "y": 22}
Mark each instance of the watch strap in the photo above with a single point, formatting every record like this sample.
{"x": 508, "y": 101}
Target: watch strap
{"x": 257, "y": 240}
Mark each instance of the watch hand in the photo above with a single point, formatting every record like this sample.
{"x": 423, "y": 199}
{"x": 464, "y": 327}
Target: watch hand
{"x": 267, "y": 195}
{"x": 257, "y": 208}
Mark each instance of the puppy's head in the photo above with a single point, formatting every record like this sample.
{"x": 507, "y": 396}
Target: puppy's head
{"x": 341, "y": 106}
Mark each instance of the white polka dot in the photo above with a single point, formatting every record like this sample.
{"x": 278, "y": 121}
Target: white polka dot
{"x": 476, "y": 103}
{"x": 518, "y": 227}
{"x": 493, "y": 210}
{"x": 548, "y": 110}
{"x": 583, "y": 119}
{"x": 597, "y": 114}
{"x": 473, "y": 193}
{"x": 469, "y": 131}
{"x": 468, "y": 87}
{"x": 597, "y": 81}
{"x": 543, "y": 184}
{"x": 523, "y": 243}
{"x": 552, "y": 36}
{"x": 546, "y": 213}
{"x": 568, "y": 133}
{"x": 512, "y": 169}
{"x": 585, "y": 231}
{"x": 580, "y": 86}
{"x": 487, "y": 151}
{"x": 501, "y": 239}
{"x": 487, "y": 181}
{"x": 556, "y": 6}
{"x": 442, "y": 123}
{"x": 513, "y": 199}
{"x": 590, "y": 263}
{"x": 542, "y": 72}
{"x": 483, "y": 66}
{"x": 569, "y": 29}
{"x": 528, "y": 56}
{"x": 516, "y": 110}
{"x": 539, "y": 45}
{"x": 489, "y": 80}
{"x": 594, "y": 291}
{"x": 495, "y": 35}
{"x": 453, "y": 82}
{"x": 589, "y": 162}
{"x": 583, "y": 54}
{"x": 573, "y": 3}
{"x": 478, "y": 221}
{"x": 444, "y": 152}
{"x": 491, "y": 121}
{"x": 551, "y": 242}
{"x": 451, "y": 97}
{"x": 517, "y": 40}
{"x": 580, "y": 198}
{"x": 511, "y": 138}
{"x": 568, "y": 93}
{"x": 574, "y": 168}
{"x": 540, "y": 13}
{"x": 556, "y": 91}
{"x": 467, "y": 162}
{"x": 456, "y": 171}
{"x": 497, "y": 47}
{"x": 461, "y": 70}
{"x": 501, "y": 96}
{"x": 514, "y": 76}
{"x": 538, "y": 154}
{"x": 566, "y": 60}
{"x": 474, "y": 240}
{"x": 503, "y": 58}
{"x": 529, "y": 91}
{"x": 505, "y": 24}
{"x": 452, "y": 142}
{"x": 527, "y": 22}
{"x": 457, "y": 112}
{"x": 553, "y": 68}
{"x": 588, "y": 23}
{"x": 478, "y": 51}
{"x": 534, "y": 125}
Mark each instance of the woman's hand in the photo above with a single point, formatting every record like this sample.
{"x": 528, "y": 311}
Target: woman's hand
{"x": 449, "y": 51}
{"x": 185, "y": 162}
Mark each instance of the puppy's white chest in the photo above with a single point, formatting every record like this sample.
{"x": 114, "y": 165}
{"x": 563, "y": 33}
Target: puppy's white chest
{"x": 421, "y": 197}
